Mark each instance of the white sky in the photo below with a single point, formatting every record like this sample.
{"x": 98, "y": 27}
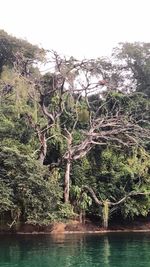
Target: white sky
{"x": 82, "y": 28}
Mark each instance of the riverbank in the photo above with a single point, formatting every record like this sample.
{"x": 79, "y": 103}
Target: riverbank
{"x": 73, "y": 226}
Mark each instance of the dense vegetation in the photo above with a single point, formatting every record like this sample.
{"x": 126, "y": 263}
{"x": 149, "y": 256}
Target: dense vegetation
{"x": 74, "y": 139}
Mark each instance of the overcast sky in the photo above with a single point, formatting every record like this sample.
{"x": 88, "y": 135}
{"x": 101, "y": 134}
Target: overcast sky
{"x": 82, "y": 28}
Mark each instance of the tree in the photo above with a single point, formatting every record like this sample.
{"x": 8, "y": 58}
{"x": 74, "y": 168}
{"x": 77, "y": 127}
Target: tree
{"x": 107, "y": 123}
{"x": 10, "y": 47}
{"x": 74, "y": 125}
{"x": 31, "y": 193}
{"x": 134, "y": 64}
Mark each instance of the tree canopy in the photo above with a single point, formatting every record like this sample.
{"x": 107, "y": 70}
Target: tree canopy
{"x": 74, "y": 140}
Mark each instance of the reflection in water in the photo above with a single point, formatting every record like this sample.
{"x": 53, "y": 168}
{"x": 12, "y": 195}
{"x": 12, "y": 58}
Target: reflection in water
{"x": 106, "y": 251}
{"x": 112, "y": 250}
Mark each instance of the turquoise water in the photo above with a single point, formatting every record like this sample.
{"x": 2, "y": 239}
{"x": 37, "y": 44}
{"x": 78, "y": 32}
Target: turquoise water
{"x": 111, "y": 250}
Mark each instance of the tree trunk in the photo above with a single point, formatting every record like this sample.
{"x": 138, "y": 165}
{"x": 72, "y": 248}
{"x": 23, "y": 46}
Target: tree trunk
{"x": 105, "y": 212}
{"x": 43, "y": 148}
{"x": 66, "y": 182}
{"x": 82, "y": 216}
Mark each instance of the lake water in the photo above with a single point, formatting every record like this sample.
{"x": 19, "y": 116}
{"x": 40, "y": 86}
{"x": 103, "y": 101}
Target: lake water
{"x": 76, "y": 250}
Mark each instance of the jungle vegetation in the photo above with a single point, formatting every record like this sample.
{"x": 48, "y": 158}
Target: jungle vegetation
{"x": 74, "y": 139}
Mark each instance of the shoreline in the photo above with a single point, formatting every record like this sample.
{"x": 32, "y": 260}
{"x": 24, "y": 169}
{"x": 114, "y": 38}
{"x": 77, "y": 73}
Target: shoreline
{"x": 74, "y": 227}
{"x": 77, "y": 232}
{"x": 83, "y": 232}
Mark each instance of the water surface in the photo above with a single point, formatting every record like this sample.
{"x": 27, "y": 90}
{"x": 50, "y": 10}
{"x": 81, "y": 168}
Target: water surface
{"x": 76, "y": 250}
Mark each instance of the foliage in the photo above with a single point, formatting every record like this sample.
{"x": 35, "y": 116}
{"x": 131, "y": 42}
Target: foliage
{"x": 135, "y": 61}
{"x": 28, "y": 186}
{"x": 65, "y": 211}
{"x": 83, "y": 201}
{"x": 65, "y": 118}
{"x": 10, "y": 45}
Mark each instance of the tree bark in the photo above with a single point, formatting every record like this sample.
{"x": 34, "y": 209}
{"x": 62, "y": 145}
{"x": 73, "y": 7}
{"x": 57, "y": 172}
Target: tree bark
{"x": 43, "y": 148}
{"x": 67, "y": 181}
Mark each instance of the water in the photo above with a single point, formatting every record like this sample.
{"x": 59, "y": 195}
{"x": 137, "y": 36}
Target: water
{"x": 77, "y": 250}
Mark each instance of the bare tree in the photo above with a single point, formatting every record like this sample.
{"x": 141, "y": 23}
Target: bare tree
{"x": 81, "y": 80}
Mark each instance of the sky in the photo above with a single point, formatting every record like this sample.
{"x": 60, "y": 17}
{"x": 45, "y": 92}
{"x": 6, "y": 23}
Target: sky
{"x": 81, "y": 28}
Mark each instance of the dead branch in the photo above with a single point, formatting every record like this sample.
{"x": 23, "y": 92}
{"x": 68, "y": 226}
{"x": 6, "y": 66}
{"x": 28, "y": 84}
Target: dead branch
{"x": 90, "y": 190}
{"x": 98, "y": 202}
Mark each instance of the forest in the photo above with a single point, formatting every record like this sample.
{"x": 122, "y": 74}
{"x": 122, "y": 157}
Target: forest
{"x": 74, "y": 134}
